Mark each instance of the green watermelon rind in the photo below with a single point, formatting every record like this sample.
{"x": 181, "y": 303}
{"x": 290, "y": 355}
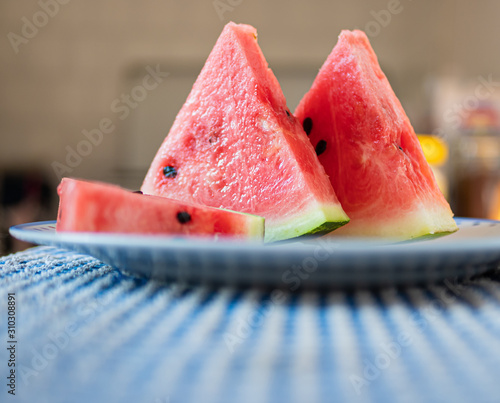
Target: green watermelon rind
{"x": 319, "y": 220}
{"x": 428, "y": 237}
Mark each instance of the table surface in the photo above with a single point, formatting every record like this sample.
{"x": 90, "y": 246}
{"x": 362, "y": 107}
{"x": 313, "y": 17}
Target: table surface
{"x": 88, "y": 333}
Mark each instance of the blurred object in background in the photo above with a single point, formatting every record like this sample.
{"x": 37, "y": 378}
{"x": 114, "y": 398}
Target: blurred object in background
{"x": 436, "y": 153}
{"x": 25, "y": 196}
{"x": 478, "y": 161}
{"x": 468, "y": 117}
{"x": 478, "y": 174}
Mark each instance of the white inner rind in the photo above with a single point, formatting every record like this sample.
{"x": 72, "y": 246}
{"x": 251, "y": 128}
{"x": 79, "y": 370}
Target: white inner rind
{"x": 416, "y": 223}
{"x": 317, "y": 215}
{"x": 255, "y": 227}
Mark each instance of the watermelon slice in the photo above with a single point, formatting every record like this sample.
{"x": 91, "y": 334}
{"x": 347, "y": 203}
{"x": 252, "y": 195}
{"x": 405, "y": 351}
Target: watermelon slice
{"x": 369, "y": 149}
{"x": 99, "y": 207}
{"x": 234, "y": 144}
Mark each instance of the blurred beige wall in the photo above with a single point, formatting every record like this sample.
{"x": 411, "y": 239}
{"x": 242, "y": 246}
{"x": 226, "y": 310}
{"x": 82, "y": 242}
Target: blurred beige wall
{"x": 66, "y": 77}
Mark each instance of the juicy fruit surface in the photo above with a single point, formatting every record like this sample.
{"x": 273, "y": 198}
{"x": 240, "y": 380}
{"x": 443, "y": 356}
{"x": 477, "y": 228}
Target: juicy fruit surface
{"x": 234, "y": 144}
{"x": 98, "y": 207}
{"x": 369, "y": 148}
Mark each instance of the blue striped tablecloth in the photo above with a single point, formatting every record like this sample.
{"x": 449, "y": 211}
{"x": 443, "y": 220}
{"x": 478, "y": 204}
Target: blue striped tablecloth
{"x": 88, "y": 333}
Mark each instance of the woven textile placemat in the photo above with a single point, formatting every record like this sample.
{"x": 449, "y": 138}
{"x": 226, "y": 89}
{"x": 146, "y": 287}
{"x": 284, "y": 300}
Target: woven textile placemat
{"x": 85, "y": 332}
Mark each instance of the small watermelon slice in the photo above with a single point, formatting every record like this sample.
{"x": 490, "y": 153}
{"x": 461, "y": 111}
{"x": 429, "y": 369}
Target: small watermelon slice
{"x": 234, "y": 144}
{"x": 369, "y": 149}
{"x": 99, "y": 207}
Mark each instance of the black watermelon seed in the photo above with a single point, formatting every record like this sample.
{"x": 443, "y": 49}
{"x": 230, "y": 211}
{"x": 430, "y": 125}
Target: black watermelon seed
{"x": 138, "y": 192}
{"x": 401, "y": 148}
{"x": 169, "y": 171}
{"x": 307, "y": 124}
{"x": 183, "y": 217}
{"x": 287, "y": 113}
{"x": 320, "y": 147}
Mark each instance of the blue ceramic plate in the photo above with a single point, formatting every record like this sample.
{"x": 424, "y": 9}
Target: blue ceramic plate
{"x": 338, "y": 262}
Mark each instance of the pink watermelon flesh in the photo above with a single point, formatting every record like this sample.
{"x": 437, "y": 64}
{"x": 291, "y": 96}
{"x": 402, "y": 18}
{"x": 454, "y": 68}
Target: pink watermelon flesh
{"x": 234, "y": 144}
{"x": 99, "y": 207}
{"x": 369, "y": 149}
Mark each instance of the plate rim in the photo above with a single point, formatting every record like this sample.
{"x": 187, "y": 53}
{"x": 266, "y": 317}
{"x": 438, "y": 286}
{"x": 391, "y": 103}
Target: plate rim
{"x": 155, "y": 242}
{"x": 337, "y": 263}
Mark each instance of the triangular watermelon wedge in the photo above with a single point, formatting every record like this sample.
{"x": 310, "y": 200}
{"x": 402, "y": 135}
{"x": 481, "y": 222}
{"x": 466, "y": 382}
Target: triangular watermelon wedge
{"x": 89, "y": 206}
{"x": 234, "y": 144}
{"x": 369, "y": 149}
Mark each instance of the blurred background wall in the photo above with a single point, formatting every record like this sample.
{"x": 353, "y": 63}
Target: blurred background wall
{"x": 73, "y": 101}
